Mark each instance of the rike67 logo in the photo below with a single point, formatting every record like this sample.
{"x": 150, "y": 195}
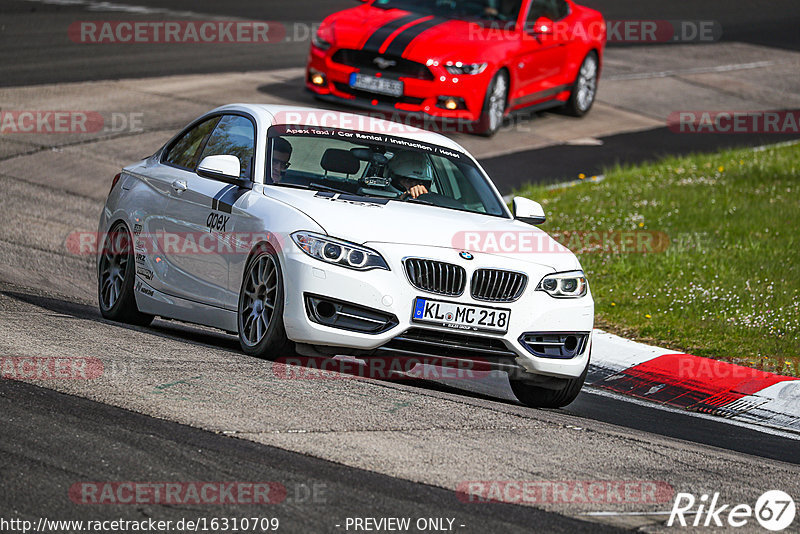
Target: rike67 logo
{"x": 774, "y": 510}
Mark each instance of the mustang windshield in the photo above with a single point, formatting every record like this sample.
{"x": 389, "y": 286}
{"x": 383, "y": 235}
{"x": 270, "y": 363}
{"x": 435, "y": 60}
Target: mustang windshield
{"x": 506, "y": 10}
{"x": 378, "y": 165}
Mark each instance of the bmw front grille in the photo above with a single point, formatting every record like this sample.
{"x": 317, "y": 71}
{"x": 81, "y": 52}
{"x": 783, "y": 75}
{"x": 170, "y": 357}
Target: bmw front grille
{"x": 495, "y": 285}
{"x": 436, "y": 276}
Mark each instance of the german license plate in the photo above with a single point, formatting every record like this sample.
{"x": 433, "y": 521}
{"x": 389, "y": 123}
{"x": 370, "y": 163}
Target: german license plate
{"x": 373, "y": 84}
{"x": 460, "y": 316}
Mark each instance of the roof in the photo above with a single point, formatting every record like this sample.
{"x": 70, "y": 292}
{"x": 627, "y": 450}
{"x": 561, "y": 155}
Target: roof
{"x": 307, "y": 116}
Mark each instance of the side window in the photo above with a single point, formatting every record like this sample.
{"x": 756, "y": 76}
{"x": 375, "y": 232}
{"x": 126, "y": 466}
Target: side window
{"x": 234, "y": 136}
{"x": 184, "y": 151}
{"x": 461, "y": 187}
{"x": 552, "y": 9}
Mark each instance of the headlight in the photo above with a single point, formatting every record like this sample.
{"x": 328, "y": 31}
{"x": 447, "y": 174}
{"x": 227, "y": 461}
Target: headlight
{"x": 569, "y": 285}
{"x": 338, "y": 252}
{"x": 459, "y": 68}
{"x": 319, "y": 42}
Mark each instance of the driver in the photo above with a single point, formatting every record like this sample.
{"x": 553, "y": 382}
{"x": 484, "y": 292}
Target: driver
{"x": 410, "y": 172}
{"x": 281, "y": 152}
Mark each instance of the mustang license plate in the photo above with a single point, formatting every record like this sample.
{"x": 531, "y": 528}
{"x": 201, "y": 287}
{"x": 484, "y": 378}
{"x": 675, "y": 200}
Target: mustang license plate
{"x": 373, "y": 84}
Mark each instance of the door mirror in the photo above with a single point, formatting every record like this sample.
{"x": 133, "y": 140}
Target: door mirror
{"x": 542, "y": 26}
{"x": 528, "y": 211}
{"x": 222, "y": 167}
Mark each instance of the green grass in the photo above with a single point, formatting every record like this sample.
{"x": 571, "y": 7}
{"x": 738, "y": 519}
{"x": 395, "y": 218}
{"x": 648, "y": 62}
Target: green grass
{"x": 728, "y": 284}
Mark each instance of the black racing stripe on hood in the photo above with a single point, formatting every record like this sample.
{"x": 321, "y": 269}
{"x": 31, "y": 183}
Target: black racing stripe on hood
{"x": 401, "y": 42}
{"x": 381, "y": 34}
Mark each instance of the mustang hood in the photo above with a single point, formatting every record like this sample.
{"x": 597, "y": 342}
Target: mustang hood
{"x": 367, "y": 221}
{"x": 395, "y": 32}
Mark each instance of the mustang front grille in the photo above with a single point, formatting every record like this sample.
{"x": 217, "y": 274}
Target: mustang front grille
{"x": 436, "y": 276}
{"x": 495, "y": 285}
{"x": 373, "y": 61}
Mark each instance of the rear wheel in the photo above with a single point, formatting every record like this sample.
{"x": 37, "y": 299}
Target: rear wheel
{"x": 260, "y": 311}
{"x": 539, "y": 397}
{"x": 494, "y": 105}
{"x": 585, "y": 88}
{"x": 115, "y": 279}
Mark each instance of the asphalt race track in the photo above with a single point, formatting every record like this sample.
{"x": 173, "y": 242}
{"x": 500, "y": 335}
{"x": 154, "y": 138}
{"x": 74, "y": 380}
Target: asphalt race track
{"x": 181, "y": 403}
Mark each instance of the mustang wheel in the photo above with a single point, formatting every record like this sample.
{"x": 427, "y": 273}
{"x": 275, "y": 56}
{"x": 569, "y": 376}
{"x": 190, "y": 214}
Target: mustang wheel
{"x": 585, "y": 88}
{"x": 494, "y": 106}
{"x": 539, "y": 397}
{"x": 115, "y": 279}
{"x": 260, "y": 311}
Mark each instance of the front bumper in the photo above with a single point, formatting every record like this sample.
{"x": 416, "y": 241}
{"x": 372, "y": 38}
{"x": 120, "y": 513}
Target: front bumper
{"x": 421, "y": 97}
{"x": 390, "y": 293}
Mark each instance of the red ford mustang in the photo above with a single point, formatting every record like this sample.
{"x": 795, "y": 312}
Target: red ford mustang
{"x": 469, "y": 61}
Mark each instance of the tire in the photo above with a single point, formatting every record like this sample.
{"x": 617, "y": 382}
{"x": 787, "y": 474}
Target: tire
{"x": 539, "y": 397}
{"x": 584, "y": 90}
{"x": 260, "y": 310}
{"x": 494, "y": 105}
{"x": 116, "y": 275}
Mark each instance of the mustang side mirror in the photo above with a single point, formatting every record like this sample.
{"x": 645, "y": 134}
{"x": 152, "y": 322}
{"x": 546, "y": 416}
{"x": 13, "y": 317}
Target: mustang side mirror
{"x": 528, "y": 211}
{"x": 222, "y": 167}
{"x": 542, "y": 26}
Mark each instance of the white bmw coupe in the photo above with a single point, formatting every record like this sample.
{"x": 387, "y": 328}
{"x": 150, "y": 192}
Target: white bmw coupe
{"x": 324, "y": 233}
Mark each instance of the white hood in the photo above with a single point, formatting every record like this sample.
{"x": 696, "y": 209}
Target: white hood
{"x": 416, "y": 224}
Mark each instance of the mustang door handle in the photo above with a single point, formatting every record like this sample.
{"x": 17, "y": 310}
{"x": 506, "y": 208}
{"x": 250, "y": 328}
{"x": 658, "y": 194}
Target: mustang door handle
{"x": 179, "y": 186}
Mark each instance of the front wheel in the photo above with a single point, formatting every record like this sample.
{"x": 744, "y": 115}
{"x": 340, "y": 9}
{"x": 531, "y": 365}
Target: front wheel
{"x": 585, "y": 88}
{"x": 539, "y": 397}
{"x": 494, "y": 105}
{"x": 260, "y": 310}
{"x": 115, "y": 279}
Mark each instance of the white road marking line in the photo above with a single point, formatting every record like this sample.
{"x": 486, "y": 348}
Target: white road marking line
{"x": 697, "y": 70}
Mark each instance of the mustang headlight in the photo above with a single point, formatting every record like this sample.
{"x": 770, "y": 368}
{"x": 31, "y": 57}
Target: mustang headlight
{"x": 569, "y": 285}
{"x": 319, "y": 42}
{"x": 459, "y": 68}
{"x": 338, "y": 252}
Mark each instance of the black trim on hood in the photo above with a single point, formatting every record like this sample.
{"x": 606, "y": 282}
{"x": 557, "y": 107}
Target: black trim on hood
{"x": 401, "y": 42}
{"x": 381, "y": 34}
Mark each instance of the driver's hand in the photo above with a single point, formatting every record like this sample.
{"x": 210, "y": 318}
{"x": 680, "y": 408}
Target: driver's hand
{"x": 417, "y": 190}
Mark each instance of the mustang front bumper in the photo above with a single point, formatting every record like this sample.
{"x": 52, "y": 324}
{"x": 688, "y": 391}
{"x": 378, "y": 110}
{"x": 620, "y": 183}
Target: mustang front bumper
{"x": 421, "y": 97}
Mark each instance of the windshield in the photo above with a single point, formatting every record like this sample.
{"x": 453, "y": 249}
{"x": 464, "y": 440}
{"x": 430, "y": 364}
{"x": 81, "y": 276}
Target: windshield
{"x": 506, "y": 10}
{"x": 378, "y": 166}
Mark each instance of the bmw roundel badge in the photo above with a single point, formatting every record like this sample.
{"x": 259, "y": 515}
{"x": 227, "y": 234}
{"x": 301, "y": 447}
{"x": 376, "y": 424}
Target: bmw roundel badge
{"x": 466, "y": 255}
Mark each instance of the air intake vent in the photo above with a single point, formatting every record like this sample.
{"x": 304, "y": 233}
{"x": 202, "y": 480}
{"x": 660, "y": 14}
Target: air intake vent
{"x": 560, "y": 345}
{"x": 494, "y": 285}
{"x": 436, "y": 276}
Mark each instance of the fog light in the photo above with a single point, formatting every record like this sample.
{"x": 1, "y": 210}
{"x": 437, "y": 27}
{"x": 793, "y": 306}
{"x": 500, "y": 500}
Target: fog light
{"x": 450, "y": 103}
{"x": 317, "y": 78}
